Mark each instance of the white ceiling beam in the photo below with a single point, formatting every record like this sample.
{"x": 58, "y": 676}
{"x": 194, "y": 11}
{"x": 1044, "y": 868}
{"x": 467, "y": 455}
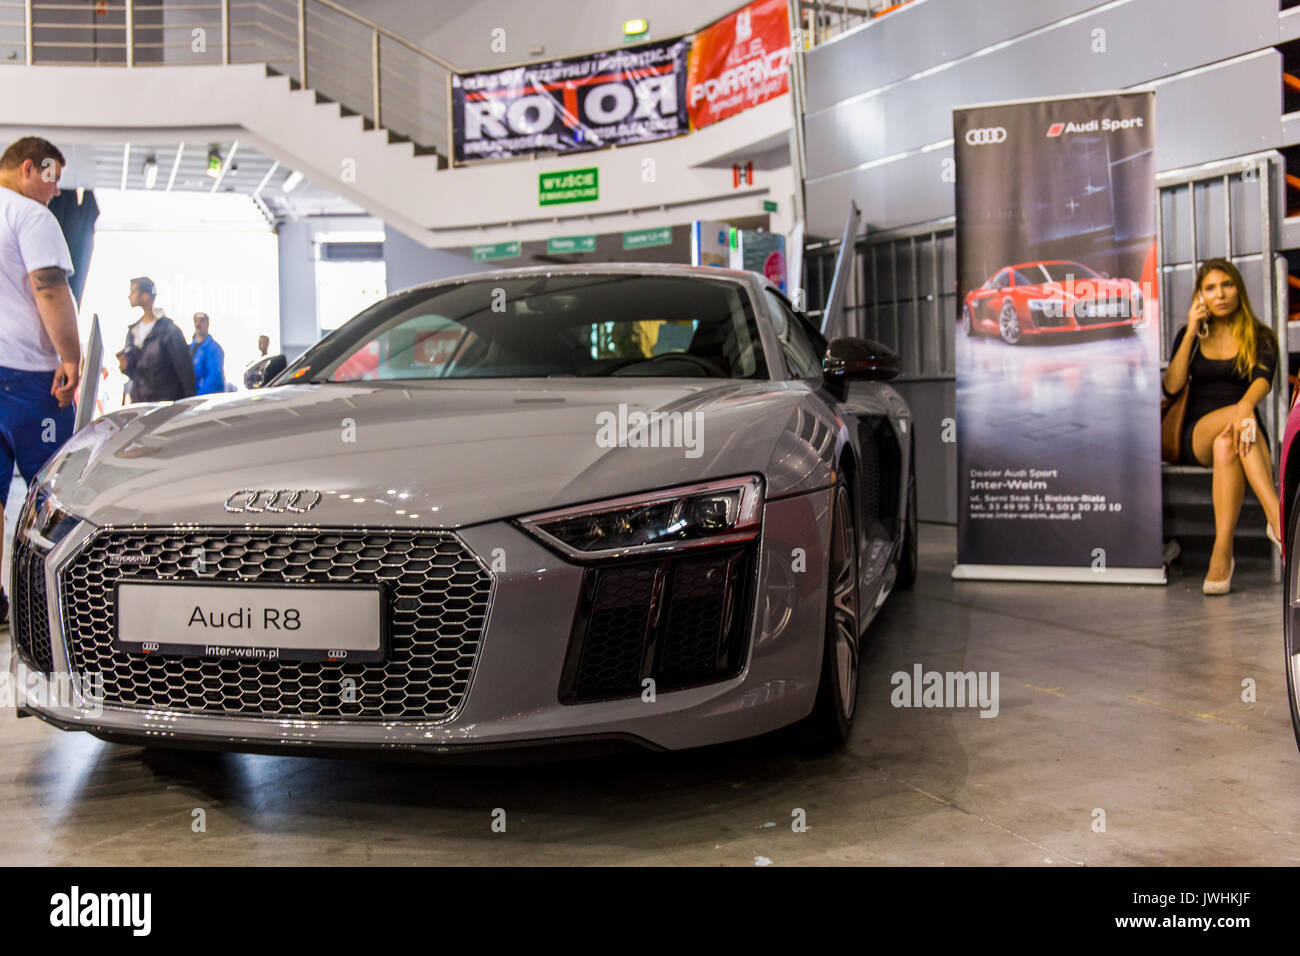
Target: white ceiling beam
{"x": 126, "y": 160}
{"x": 225, "y": 165}
{"x": 266, "y": 179}
{"x": 176, "y": 165}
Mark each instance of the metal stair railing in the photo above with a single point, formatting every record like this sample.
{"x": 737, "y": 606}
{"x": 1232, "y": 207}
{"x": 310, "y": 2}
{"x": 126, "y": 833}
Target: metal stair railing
{"x": 394, "y": 84}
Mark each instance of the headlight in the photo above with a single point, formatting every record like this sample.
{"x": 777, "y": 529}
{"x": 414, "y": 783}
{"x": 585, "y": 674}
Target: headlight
{"x": 43, "y": 521}
{"x": 692, "y": 516}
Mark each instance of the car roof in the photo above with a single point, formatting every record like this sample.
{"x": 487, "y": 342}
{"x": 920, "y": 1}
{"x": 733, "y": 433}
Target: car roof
{"x": 752, "y": 279}
{"x": 1050, "y": 262}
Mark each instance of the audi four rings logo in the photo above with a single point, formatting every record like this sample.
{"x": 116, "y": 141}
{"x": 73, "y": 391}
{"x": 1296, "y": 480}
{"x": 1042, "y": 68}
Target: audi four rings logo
{"x": 286, "y": 499}
{"x": 986, "y": 136}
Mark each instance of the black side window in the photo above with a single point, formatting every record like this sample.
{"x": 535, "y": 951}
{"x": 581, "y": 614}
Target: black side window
{"x": 1002, "y": 280}
{"x": 803, "y": 353}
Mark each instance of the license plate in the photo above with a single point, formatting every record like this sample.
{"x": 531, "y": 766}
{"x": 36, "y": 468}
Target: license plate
{"x": 253, "y": 622}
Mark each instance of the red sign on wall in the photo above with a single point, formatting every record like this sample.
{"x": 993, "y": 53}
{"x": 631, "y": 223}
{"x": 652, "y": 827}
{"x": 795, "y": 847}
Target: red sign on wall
{"x": 738, "y": 62}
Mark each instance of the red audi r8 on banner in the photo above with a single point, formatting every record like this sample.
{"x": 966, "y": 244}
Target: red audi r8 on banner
{"x": 1051, "y": 296}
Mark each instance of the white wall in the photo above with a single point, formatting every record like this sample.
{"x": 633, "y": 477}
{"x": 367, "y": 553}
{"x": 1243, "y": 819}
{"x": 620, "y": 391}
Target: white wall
{"x": 212, "y": 254}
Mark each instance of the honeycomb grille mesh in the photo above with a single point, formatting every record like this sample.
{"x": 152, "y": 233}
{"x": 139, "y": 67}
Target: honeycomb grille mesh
{"x": 31, "y": 620}
{"x": 694, "y": 638}
{"x": 620, "y": 621}
{"x": 438, "y": 598}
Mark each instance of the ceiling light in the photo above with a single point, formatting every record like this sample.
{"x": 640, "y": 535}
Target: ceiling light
{"x": 291, "y": 181}
{"x": 150, "y": 172}
{"x": 214, "y": 163}
{"x": 634, "y": 28}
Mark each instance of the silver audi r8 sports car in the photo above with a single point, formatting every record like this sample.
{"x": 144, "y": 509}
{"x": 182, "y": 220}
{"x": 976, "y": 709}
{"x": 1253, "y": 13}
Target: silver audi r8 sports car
{"x": 596, "y": 505}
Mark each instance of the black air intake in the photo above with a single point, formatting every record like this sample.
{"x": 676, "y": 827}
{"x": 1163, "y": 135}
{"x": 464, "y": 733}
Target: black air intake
{"x": 681, "y": 620}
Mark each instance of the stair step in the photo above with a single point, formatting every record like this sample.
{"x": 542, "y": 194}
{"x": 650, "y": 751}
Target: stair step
{"x": 1176, "y": 526}
{"x": 366, "y": 122}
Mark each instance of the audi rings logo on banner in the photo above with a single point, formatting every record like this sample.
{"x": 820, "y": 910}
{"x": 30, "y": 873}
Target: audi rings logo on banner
{"x": 986, "y": 136}
{"x": 297, "y": 501}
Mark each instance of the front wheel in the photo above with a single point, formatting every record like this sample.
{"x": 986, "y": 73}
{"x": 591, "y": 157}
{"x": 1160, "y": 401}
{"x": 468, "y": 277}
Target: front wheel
{"x": 828, "y": 726}
{"x": 968, "y": 321}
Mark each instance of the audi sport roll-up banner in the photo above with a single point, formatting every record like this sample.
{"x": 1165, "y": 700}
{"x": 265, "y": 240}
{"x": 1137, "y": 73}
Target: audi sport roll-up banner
{"x": 632, "y": 95}
{"x": 1058, "y": 364}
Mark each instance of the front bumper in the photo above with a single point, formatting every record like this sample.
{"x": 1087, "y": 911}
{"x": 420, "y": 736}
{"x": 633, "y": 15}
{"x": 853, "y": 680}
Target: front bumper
{"x": 513, "y": 696}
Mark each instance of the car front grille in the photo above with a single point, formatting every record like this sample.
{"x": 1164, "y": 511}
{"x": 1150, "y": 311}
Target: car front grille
{"x": 680, "y": 621}
{"x": 438, "y": 598}
{"x": 1047, "y": 319}
{"x": 1102, "y": 310}
{"x": 30, "y": 625}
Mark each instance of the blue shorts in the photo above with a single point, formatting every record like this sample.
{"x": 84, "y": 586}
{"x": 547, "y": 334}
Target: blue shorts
{"x": 32, "y": 426}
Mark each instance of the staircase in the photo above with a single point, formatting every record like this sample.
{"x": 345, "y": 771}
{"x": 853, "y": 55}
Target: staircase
{"x": 1189, "y": 520}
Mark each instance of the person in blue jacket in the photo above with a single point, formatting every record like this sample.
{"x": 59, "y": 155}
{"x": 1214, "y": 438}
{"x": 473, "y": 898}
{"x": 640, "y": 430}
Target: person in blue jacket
{"x": 209, "y": 359}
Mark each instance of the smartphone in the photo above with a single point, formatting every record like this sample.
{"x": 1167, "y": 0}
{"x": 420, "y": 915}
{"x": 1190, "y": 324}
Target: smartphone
{"x": 1204, "y": 328}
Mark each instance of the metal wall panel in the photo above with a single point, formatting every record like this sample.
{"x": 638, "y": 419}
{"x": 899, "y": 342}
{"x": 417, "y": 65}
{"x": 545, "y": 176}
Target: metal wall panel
{"x": 915, "y": 38}
{"x": 1061, "y": 60}
{"x": 936, "y": 474}
{"x": 890, "y": 195}
{"x": 1229, "y": 109}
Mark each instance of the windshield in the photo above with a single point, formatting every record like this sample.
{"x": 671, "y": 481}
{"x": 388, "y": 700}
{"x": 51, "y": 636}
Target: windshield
{"x": 1064, "y": 272}
{"x": 547, "y": 325}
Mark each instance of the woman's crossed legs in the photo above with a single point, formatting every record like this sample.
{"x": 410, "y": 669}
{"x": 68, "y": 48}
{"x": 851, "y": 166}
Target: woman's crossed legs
{"x": 1213, "y": 446}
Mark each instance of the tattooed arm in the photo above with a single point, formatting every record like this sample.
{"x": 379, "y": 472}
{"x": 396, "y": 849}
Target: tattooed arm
{"x": 58, "y": 313}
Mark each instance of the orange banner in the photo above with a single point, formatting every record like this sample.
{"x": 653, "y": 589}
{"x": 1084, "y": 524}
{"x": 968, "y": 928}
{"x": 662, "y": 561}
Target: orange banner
{"x": 738, "y": 62}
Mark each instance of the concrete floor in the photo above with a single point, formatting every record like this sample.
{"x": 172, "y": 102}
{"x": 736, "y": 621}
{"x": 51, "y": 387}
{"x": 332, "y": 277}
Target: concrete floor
{"x": 1120, "y": 698}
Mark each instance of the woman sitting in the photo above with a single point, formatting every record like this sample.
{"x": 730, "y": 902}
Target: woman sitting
{"x": 1227, "y": 358}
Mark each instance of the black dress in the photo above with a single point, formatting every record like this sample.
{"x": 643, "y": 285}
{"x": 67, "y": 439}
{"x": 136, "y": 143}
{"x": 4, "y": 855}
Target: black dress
{"x": 1215, "y": 383}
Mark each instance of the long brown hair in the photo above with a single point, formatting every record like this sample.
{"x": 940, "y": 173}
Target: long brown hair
{"x": 1244, "y": 326}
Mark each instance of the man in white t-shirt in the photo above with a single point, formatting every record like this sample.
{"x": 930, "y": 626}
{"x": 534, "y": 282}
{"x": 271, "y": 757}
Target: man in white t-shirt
{"x": 40, "y": 349}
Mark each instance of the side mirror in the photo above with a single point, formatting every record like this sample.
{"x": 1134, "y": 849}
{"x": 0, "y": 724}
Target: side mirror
{"x": 261, "y": 372}
{"x": 858, "y": 360}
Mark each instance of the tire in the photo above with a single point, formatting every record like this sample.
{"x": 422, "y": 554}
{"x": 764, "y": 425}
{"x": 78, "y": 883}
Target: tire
{"x": 909, "y": 555}
{"x": 828, "y": 726}
{"x": 1009, "y": 323}
{"x": 968, "y": 320}
{"x": 1291, "y": 617}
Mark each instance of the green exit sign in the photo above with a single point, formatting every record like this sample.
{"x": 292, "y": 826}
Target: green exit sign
{"x": 571, "y": 244}
{"x": 568, "y": 185}
{"x": 496, "y": 250}
{"x": 644, "y": 238}
{"x": 769, "y": 206}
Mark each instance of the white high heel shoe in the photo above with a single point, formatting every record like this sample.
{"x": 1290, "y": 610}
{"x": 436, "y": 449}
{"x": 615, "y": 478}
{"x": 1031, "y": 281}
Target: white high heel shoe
{"x": 1219, "y": 587}
{"x": 1268, "y": 530}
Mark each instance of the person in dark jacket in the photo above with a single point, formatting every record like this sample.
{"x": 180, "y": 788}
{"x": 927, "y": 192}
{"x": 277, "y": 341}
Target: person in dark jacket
{"x": 209, "y": 358}
{"x": 156, "y": 357}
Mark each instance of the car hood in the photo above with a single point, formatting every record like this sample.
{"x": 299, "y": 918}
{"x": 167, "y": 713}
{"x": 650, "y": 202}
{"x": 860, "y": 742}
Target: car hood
{"x": 441, "y": 455}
